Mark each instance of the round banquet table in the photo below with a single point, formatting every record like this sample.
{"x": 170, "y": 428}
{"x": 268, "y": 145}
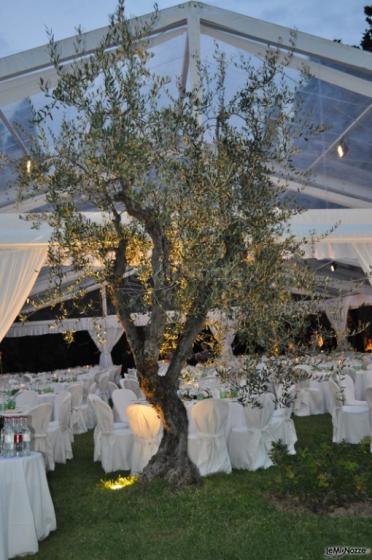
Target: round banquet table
{"x": 26, "y": 508}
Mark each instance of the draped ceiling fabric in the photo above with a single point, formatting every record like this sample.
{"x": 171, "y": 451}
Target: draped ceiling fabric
{"x": 19, "y": 269}
{"x": 350, "y": 240}
{"x": 344, "y": 235}
{"x": 105, "y": 332}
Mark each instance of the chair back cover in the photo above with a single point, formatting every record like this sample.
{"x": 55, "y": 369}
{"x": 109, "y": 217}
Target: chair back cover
{"x": 92, "y": 389}
{"x": 103, "y": 380}
{"x": 132, "y": 385}
{"x": 63, "y": 406}
{"x": 336, "y": 396}
{"x": 250, "y": 449}
{"x": 27, "y": 399}
{"x": 349, "y": 389}
{"x": 40, "y": 418}
{"x": 145, "y": 425}
{"x": 350, "y": 372}
{"x": 76, "y": 391}
{"x": 209, "y": 416}
{"x": 63, "y": 436}
{"x": 113, "y": 372}
{"x": 104, "y": 415}
{"x": 208, "y": 450}
{"x": 144, "y": 421}
{"x": 122, "y": 398}
{"x": 111, "y": 387}
{"x": 259, "y": 417}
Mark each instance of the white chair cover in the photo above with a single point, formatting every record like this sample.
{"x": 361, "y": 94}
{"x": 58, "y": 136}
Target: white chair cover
{"x": 111, "y": 387}
{"x": 40, "y": 418}
{"x": 350, "y": 372}
{"x": 112, "y": 443}
{"x": 78, "y": 425}
{"x": 350, "y": 422}
{"x": 208, "y": 449}
{"x": 249, "y": 449}
{"x": 309, "y": 400}
{"x": 102, "y": 383}
{"x": 349, "y": 392}
{"x": 122, "y": 398}
{"x": 133, "y": 385}
{"x": 113, "y": 372}
{"x": 146, "y": 428}
{"x": 61, "y": 428}
{"x": 282, "y": 428}
{"x": 27, "y": 399}
{"x": 87, "y": 408}
{"x": 369, "y": 402}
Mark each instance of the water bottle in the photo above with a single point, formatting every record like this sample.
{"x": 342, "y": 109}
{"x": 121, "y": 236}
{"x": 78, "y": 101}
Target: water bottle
{"x": 18, "y": 437}
{"x": 26, "y": 432}
{"x": 8, "y": 438}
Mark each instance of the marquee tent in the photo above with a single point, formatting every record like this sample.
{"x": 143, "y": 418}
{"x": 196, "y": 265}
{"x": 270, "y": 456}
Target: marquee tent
{"x": 337, "y": 190}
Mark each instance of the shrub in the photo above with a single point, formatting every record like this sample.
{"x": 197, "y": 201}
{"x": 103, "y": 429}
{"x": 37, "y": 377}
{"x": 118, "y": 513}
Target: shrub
{"x": 325, "y": 477}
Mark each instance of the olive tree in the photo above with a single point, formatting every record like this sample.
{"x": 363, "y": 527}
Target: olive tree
{"x": 184, "y": 186}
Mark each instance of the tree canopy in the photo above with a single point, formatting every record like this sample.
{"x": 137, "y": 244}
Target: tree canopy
{"x": 184, "y": 184}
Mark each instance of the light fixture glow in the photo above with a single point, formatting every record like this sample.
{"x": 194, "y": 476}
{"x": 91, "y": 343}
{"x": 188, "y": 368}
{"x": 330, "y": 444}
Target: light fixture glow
{"x": 341, "y": 149}
{"x": 119, "y": 483}
{"x": 333, "y": 267}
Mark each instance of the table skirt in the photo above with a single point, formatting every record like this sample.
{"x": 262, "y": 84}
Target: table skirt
{"x": 26, "y": 508}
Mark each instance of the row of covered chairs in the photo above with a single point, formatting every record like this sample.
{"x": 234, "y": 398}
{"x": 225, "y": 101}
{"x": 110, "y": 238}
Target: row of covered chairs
{"x": 130, "y": 442}
{"x": 80, "y": 420}
{"x": 52, "y": 438}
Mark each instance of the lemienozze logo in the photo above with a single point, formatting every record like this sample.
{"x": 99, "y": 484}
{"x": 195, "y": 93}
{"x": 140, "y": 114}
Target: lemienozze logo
{"x": 341, "y": 551}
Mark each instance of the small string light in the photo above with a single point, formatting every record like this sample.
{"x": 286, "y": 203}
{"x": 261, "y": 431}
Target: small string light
{"x": 333, "y": 268}
{"x": 28, "y": 166}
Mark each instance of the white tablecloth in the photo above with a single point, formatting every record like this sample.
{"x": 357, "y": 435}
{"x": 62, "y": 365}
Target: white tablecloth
{"x": 26, "y": 507}
{"x": 363, "y": 379}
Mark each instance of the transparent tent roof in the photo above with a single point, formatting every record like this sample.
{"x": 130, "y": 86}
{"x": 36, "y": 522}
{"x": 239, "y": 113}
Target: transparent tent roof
{"x": 338, "y": 96}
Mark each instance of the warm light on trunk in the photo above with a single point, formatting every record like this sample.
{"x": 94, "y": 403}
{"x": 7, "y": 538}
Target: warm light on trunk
{"x": 368, "y": 345}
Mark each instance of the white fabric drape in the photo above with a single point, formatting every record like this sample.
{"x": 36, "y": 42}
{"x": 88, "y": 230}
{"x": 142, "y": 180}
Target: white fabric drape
{"x": 223, "y": 329}
{"x": 364, "y": 254}
{"x": 105, "y": 337}
{"x": 350, "y": 241}
{"x": 19, "y": 269}
{"x": 336, "y": 312}
{"x": 224, "y": 334}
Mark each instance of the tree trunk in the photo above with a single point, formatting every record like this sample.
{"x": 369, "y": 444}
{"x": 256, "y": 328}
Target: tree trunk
{"x": 171, "y": 462}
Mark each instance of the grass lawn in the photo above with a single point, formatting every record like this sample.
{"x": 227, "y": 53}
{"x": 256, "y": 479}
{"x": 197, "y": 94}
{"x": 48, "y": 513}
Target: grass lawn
{"x": 229, "y": 517}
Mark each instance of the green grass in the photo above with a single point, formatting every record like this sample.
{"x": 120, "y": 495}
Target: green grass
{"x": 229, "y": 517}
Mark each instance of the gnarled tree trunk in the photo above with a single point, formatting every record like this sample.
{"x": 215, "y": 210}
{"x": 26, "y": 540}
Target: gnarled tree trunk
{"x": 171, "y": 462}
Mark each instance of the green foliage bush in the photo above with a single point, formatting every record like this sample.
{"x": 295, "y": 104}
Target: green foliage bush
{"x": 325, "y": 477}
